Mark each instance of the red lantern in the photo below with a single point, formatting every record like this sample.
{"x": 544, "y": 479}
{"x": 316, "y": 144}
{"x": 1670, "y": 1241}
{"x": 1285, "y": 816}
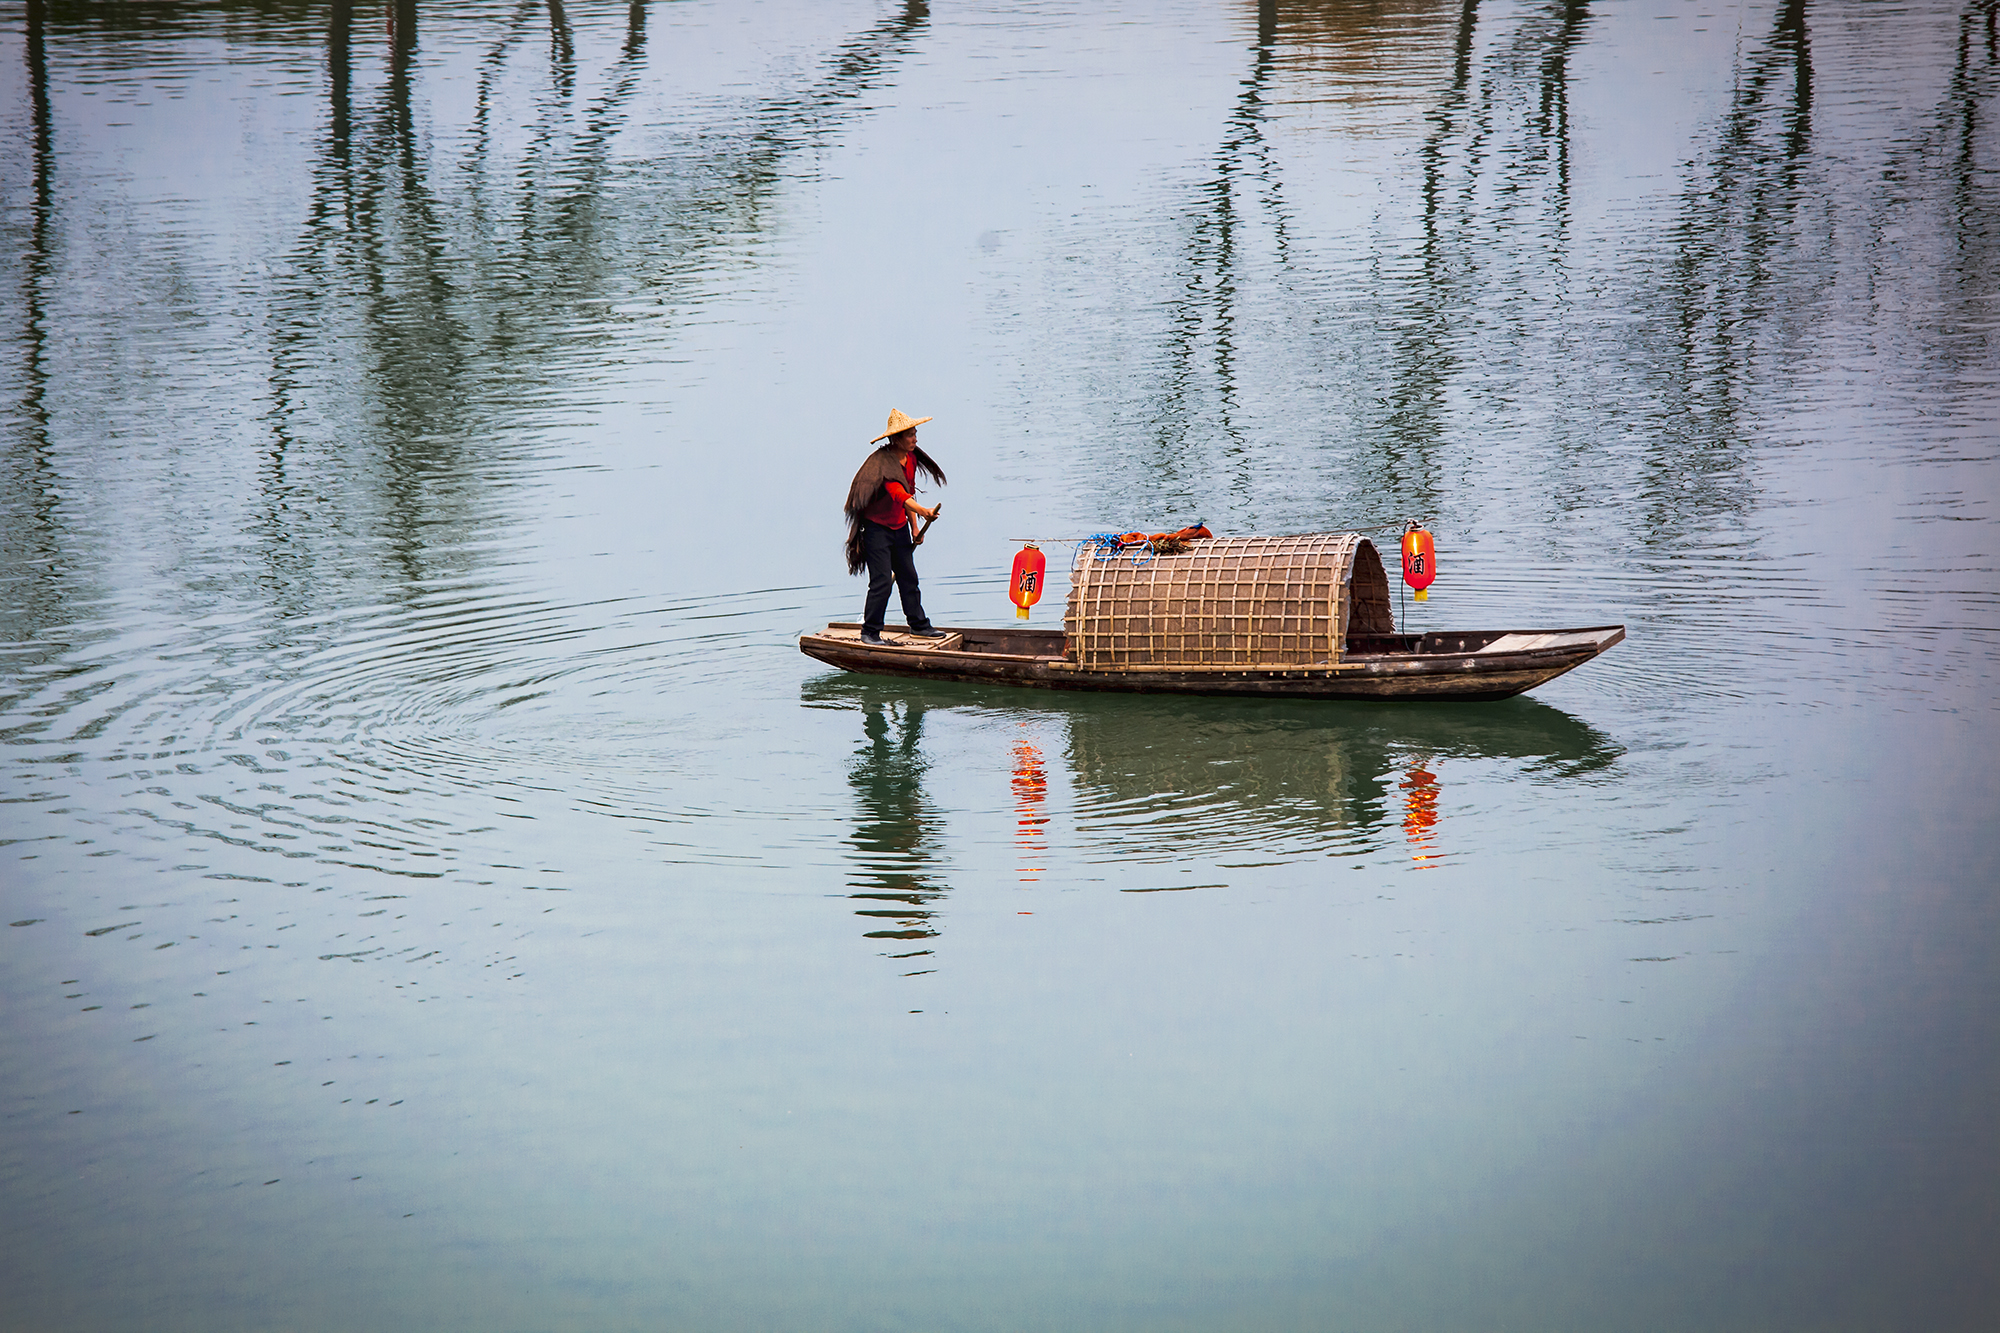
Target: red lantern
{"x": 1419, "y": 560}
{"x": 1026, "y": 586}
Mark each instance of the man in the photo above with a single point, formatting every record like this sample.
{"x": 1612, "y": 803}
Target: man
{"x": 880, "y": 501}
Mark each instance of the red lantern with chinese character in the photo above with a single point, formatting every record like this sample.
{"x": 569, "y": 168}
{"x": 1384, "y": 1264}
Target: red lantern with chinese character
{"x": 1419, "y": 560}
{"x": 1025, "y": 588}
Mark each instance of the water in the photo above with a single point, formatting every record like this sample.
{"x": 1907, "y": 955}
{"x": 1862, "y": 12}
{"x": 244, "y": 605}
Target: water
{"x": 442, "y": 895}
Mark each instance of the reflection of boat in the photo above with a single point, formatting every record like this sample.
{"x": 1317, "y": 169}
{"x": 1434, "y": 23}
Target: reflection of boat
{"x": 1275, "y": 780}
{"x": 1153, "y": 778}
{"x": 1290, "y": 617}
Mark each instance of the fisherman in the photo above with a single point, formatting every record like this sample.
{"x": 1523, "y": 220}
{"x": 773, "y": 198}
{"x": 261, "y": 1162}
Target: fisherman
{"x": 879, "y": 504}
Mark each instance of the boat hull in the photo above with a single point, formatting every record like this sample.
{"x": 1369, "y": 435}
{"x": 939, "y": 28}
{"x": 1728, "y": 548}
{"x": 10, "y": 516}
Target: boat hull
{"x": 1466, "y": 666}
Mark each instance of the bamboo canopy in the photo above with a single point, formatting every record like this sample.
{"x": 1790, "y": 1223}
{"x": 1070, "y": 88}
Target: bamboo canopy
{"x": 1227, "y": 601}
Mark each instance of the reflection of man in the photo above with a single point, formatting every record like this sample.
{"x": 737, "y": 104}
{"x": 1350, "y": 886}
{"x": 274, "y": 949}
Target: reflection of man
{"x": 880, "y": 500}
{"x": 891, "y": 833}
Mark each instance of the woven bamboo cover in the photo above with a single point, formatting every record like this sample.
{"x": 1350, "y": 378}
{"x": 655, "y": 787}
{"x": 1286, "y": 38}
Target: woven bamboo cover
{"x": 1231, "y": 601}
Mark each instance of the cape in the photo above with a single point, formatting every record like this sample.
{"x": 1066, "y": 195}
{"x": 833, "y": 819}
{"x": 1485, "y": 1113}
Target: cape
{"x": 877, "y": 471}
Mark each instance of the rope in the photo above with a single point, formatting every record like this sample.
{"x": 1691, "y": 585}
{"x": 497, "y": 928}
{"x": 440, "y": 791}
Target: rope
{"x": 1111, "y": 545}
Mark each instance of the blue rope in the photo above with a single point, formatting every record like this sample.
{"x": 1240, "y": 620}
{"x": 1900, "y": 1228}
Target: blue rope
{"x": 1111, "y": 545}
{"x": 1103, "y": 544}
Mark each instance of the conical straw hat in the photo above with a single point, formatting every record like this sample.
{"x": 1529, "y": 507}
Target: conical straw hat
{"x": 898, "y": 423}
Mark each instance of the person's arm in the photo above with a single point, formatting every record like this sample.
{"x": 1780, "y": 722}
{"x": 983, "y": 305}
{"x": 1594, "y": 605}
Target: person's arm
{"x": 908, "y": 501}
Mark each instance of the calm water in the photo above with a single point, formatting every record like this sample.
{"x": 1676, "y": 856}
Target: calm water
{"x": 441, "y": 896}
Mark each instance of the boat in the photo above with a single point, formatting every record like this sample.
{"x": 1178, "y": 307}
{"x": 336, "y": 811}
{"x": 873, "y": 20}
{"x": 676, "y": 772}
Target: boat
{"x": 1298, "y": 617}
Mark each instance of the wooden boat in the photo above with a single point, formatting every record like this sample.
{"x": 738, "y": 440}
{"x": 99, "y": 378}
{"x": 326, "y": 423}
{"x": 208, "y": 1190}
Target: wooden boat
{"x": 1465, "y": 665}
{"x": 1292, "y": 617}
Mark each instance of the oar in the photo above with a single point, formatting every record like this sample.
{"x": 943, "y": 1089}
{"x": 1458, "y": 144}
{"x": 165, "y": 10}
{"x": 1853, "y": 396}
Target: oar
{"x": 936, "y": 509}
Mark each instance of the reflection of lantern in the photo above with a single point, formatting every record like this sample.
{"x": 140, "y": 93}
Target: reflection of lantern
{"x": 1031, "y": 789}
{"x": 1419, "y": 560}
{"x": 1026, "y": 585}
{"x": 1421, "y": 813}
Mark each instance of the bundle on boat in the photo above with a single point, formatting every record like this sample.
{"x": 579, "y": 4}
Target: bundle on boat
{"x": 1227, "y": 602}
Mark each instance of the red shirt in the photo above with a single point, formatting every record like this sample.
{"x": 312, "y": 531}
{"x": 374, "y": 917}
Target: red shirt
{"x": 888, "y": 510}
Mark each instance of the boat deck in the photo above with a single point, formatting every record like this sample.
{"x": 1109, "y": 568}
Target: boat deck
{"x": 953, "y": 641}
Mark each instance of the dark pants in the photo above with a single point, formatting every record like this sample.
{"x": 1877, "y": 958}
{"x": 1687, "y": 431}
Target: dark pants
{"x": 891, "y": 558}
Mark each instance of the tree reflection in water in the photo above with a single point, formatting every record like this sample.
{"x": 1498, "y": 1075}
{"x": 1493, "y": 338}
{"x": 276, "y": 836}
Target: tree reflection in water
{"x": 449, "y": 271}
{"x": 29, "y": 548}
